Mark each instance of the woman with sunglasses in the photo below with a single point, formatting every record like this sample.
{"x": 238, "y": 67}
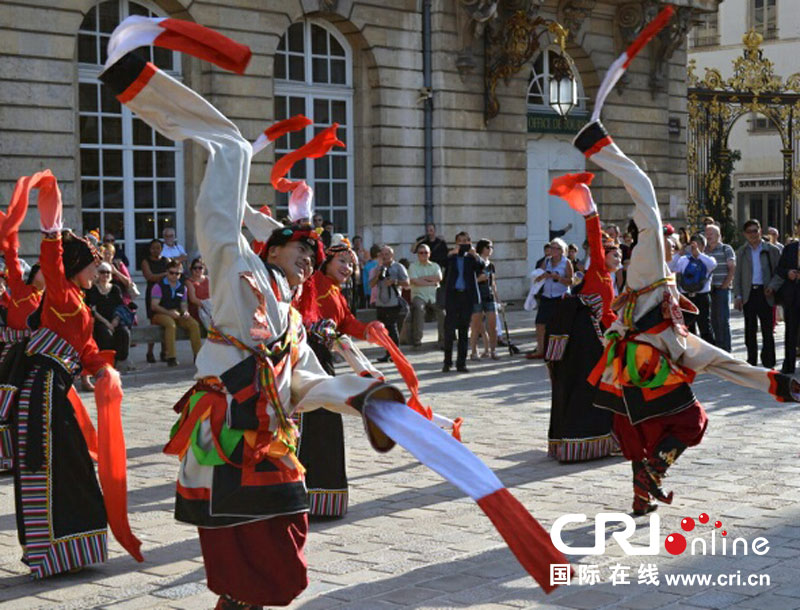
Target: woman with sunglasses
{"x": 104, "y": 298}
{"x": 199, "y": 294}
{"x": 169, "y": 305}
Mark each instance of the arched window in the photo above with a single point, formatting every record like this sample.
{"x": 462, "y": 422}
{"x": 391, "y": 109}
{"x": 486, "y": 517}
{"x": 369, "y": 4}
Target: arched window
{"x": 313, "y": 76}
{"x": 131, "y": 176}
{"x": 539, "y": 83}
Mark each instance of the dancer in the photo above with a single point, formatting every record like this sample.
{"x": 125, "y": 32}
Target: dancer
{"x": 321, "y": 445}
{"x": 240, "y": 481}
{"x": 24, "y": 297}
{"x": 579, "y": 431}
{"x": 61, "y": 511}
{"x": 650, "y": 358}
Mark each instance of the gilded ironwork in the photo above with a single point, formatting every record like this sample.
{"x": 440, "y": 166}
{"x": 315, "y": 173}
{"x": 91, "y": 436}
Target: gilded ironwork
{"x": 715, "y": 104}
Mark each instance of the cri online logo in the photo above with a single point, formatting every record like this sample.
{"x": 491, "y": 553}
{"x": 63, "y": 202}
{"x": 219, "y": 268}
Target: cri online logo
{"x": 675, "y": 543}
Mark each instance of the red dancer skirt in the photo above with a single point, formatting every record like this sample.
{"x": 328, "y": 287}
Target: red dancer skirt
{"x": 638, "y": 442}
{"x": 260, "y": 563}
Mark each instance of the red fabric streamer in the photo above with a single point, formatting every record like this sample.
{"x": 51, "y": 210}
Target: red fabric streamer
{"x": 377, "y": 333}
{"x": 563, "y": 185}
{"x": 84, "y": 422}
{"x": 524, "y": 535}
{"x": 316, "y": 148}
{"x": 205, "y": 43}
{"x": 281, "y": 128}
{"x": 49, "y": 202}
{"x": 111, "y": 463}
{"x": 650, "y": 30}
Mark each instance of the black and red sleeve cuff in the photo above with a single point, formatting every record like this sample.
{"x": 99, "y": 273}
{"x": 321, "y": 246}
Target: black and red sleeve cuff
{"x": 127, "y": 77}
{"x": 592, "y": 138}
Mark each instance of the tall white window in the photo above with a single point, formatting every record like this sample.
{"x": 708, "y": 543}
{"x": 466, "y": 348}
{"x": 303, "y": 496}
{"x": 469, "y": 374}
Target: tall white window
{"x": 131, "y": 176}
{"x": 313, "y": 76}
{"x": 764, "y": 17}
{"x": 539, "y": 83}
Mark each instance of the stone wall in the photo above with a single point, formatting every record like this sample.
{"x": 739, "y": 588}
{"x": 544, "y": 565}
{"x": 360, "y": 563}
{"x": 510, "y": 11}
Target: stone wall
{"x": 479, "y": 171}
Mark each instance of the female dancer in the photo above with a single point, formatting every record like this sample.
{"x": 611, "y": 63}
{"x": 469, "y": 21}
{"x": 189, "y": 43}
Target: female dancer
{"x": 321, "y": 445}
{"x": 61, "y": 512}
{"x": 579, "y": 431}
{"x": 22, "y": 317}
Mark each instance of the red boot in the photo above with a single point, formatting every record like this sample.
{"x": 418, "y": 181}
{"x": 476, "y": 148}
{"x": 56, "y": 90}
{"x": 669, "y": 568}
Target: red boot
{"x": 641, "y": 494}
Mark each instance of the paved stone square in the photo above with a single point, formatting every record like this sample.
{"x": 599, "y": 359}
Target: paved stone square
{"x": 410, "y": 540}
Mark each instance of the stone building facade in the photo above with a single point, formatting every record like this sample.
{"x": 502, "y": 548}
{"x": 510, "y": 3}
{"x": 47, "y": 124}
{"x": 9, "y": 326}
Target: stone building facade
{"x": 360, "y": 63}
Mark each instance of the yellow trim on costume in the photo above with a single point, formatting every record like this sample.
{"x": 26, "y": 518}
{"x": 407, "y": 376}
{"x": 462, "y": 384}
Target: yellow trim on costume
{"x": 63, "y": 316}
{"x": 36, "y": 293}
{"x": 333, "y": 288}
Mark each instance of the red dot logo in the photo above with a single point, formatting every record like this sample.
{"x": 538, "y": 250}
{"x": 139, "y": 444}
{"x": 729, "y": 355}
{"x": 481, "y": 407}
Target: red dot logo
{"x": 687, "y": 525}
{"x": 703, "y": 518}
{"x": 675, "y": 544}
{"x": 717, "y": 524}
{"x": 724, "y": 533}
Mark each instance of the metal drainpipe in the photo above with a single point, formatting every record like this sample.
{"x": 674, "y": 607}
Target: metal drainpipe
{"x": 428, "y": 84}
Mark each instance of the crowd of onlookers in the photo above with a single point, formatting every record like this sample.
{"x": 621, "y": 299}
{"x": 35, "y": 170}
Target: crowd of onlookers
{"x": 455, "y": 286}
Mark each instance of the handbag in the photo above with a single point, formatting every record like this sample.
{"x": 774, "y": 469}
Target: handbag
{"x": 125, "y": 315}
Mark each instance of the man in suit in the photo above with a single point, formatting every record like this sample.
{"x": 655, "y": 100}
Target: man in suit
{"x": 755, "y": 282}
{"x": 461, "y": 293}
{"x": 788, "y": 270}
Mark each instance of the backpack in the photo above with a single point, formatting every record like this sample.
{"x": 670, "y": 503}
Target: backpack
{"x": 694, "y": 276}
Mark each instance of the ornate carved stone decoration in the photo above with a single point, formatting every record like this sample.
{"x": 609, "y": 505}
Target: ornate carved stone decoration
{"x": 715, "y": 104}
{"x": 328, "y": 6}
{"x": 665, "y": 44}
{"x": 471, "y": 19}
{"x": 629, "y": 20}
{"x": 572, "y": 14}
{"x": 511, "y": 42}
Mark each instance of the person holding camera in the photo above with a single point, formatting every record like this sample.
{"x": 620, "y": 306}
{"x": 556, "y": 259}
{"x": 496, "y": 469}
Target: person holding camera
{"x": 461, "y": 295}
{"x": 558, "y": 278}
{"x": 389, "y": 279}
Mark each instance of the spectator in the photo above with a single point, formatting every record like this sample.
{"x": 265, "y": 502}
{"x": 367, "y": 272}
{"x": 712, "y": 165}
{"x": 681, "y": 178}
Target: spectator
{"x": 546, "y": 249}
{"x": 425, "y": 277}
{"x": 559, "y": 232}
{"x": 774, "y": 237}
{"x": 707, "y": 220}
{"x": 154, "y": 269}
{"x": 436, "y": 244}
{"x": 369, "y": 267}
{"x": 684, "y": 238}
{"x": 755, "y": 282}
{"x": 487, "y": 307}
{"x": 198, "y": 293}
{"x": 318, "y": 221}
{"x": 172, "y": 249}
{"x": 119, "y": 254}
{"x": 389, "y": 279}
{"x": 327, "y": 233}
{"x": 120, "y": 276}
{"x": 168, "y": 302}
{"x": 694, "y": 280}
{"x": 557, "y": 280}
{"x": 461, "y": 295}
{"x": 111, "y": 320}
{"x": 572, "y": 254}
{"x": 721, "y": 282}
{"x": 789, "y": 271}
{"x": 360, "y": 250}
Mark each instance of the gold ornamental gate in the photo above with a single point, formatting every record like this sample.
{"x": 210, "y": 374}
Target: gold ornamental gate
{"x": 715, "y": 104}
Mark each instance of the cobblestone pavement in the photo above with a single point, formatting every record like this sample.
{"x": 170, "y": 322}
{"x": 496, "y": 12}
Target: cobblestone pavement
{"x": 411, "y": 540}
